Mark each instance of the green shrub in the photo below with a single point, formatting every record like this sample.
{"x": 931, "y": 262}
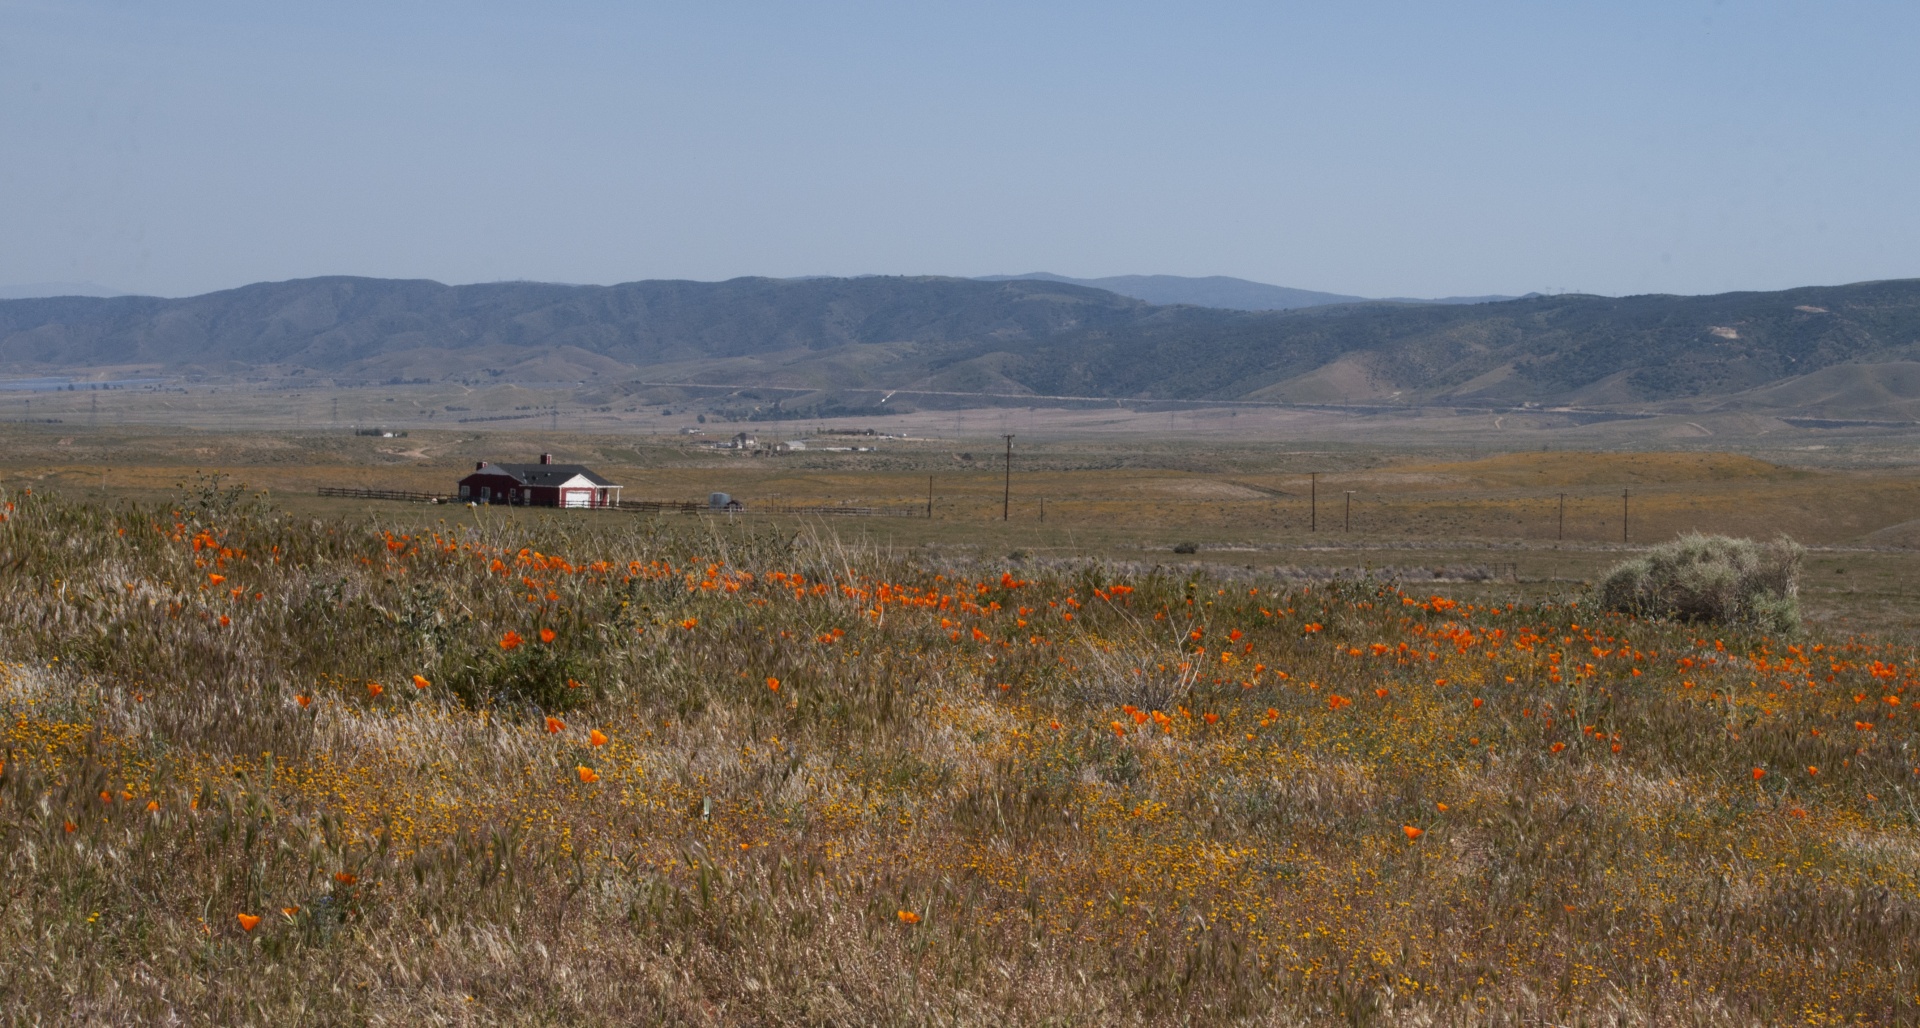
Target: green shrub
{"x": 1712, "y": 579}
{"x": 545, "y": 677}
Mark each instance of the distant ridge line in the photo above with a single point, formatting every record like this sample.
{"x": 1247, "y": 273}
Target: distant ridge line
{"x": 1224, "y": 292}
{"x": 1847, "y": 352}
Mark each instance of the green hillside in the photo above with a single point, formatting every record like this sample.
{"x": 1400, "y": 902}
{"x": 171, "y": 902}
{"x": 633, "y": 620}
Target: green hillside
{"x": 1838, "y": 349}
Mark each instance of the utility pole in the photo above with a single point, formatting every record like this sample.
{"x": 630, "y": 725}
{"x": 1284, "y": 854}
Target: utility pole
{"x": 1348, "y": 526}
{"x": 1006, "y": 489}
{"x": 1623, "y": 515}
{"x": 1313, "y": 501}
{"x": 929, "y": 497}
{"x": 1563, "y": 517}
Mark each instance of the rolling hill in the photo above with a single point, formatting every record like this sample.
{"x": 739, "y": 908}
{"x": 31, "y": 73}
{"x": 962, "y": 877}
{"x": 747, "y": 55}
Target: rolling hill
{"x": 1838, "y": 351}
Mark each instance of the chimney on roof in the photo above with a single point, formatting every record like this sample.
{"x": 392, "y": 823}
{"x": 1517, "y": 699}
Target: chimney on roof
{"x": 546, "y": 458}
{"x": 481, "y": 466}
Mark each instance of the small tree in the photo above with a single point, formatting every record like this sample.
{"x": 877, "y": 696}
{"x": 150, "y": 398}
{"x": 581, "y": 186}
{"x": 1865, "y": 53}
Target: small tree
{"x": 1712, "y": 579}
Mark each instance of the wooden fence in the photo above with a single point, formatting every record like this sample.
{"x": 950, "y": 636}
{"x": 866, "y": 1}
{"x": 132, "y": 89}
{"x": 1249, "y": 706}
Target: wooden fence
{"x": 403, "y": 495}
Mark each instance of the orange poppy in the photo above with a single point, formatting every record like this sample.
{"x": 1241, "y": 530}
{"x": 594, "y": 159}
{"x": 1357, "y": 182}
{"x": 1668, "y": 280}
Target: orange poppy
{"x": 420, "y": 682}
{"x": 908, "y": 917}
{"x": 290, "y": 911}
{"x": 248, "y": 922}
{"x": 153, "y": 805}
{"x": 216, "y": 579}
{"x": 345, "y": 877}
{"x": 596, "y": 738}
{"x": 1759, "y": 773}
{"x": 510, "y": 640}
{"x": 304, "y": 700}
{"x": 374, "y": 689}
{"x": 1210, "y": 718}
{"x": 689, "y": 623}
{"x": 1557, "y": 747}
{"x": 588, "y": 776}
{"x": 773, "y": 684}
{"x": 554, "y": 725}
{"x": 1476, "y": 702}
{"x": 70, "y": 827}
{"x": 1442, "y": 807}
{"x": 1381, "y": 693}
{"x": 547, "y": 635}
{"x": 1412, "y": 832}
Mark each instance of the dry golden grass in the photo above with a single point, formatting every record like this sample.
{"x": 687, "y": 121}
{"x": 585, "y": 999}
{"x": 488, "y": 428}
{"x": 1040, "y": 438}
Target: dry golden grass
{"x": 980, "y": 793}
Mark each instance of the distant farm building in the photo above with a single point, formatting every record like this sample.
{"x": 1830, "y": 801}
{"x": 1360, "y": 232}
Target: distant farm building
{"x": 545, "y": 484}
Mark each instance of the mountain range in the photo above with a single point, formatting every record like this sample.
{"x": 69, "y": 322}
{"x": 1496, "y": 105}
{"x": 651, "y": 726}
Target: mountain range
{"x": 1839, "y": 351}
{"x": 1219, "y": 291}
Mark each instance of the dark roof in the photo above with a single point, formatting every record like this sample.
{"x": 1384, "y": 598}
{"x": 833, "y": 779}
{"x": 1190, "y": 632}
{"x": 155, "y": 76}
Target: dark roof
{"x": 542, "y": 474}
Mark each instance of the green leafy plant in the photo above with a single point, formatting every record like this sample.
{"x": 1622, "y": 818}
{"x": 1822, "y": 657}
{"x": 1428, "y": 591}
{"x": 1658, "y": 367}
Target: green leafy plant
{"x": 547, "y": 676}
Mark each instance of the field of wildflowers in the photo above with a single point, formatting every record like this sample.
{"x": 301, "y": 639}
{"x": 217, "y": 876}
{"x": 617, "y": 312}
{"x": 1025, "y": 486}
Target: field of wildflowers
{"x": 268, "y": 769}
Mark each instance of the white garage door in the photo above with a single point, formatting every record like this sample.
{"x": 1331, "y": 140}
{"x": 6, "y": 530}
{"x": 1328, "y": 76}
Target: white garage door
{"x": 576, "y": 498}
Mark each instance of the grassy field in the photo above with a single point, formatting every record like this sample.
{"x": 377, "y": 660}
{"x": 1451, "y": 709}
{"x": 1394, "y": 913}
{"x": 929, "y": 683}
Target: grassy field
{"x": 1447, "y": 509}
{"x": 288, "y": 761}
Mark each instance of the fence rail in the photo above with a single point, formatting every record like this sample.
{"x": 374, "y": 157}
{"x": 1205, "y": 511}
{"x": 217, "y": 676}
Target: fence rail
{"x": 405, "y": 495}
{"x": 646, "y": 506}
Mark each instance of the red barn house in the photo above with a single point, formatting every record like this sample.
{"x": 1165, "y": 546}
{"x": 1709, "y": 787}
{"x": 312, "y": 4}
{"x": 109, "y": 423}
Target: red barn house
{"x": 545, "y": 484}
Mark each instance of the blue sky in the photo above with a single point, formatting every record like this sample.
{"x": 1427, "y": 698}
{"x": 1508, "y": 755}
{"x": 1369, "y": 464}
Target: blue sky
{"x": 1371, "y": 148}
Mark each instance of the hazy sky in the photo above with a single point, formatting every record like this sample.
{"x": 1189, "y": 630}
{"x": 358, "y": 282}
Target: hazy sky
{"x": 1374, "y": 148}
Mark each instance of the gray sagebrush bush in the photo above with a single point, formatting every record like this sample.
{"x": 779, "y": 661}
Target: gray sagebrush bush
{"x": 1712, "y": 579}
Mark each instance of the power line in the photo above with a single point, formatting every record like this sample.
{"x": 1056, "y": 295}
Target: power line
{"x": 1006, "y": 489}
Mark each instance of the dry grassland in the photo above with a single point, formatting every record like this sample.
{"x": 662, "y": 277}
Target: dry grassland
{"x": 938, "y": 771}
